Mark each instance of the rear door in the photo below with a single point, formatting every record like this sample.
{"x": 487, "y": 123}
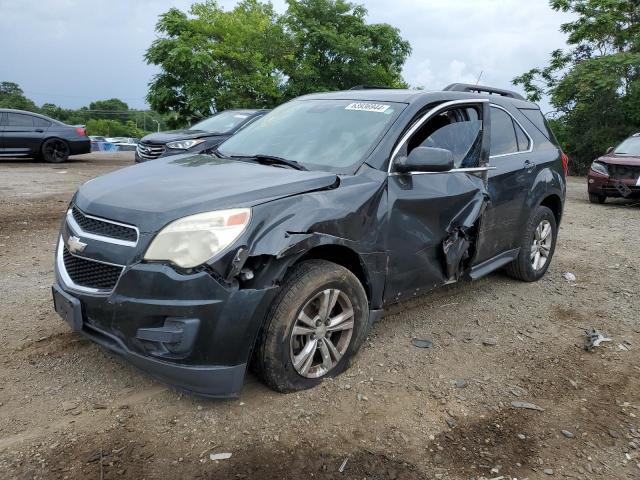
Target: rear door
{"x": 510, "y": 181}
{"x": 431, "y": 214}
{"x": 24, "y": 133}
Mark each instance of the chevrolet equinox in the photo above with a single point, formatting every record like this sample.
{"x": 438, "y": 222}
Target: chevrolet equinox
{"x": 283, "y": 246}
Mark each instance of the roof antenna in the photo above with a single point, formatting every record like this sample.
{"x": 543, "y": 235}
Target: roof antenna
{"x": 479, "y": 77}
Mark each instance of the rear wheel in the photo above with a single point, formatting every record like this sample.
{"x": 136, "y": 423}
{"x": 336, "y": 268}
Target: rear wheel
{"x": 595, "y": 198}
{"x": 315, "y": 325}
{"x": 55, "y": 150}
{"x": 536, "y": 248}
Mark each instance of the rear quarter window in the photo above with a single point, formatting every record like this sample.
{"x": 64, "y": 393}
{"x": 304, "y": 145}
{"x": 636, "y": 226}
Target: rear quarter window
{"x": 537, "y": 120}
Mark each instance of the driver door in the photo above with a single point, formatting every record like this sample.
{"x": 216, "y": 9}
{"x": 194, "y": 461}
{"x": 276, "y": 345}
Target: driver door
{"x": 433, "y": 218}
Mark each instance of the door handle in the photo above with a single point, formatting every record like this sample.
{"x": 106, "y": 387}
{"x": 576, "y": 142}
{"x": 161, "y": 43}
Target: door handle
{"x": 39, "y": 130}
{"x": 529, "y": 165}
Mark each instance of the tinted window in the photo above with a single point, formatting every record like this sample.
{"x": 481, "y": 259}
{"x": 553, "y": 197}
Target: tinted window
{"x": 40, "y": 122}
{"x": 523, "y": 141}
{"x": 222, "y": 122}
{"x": 332, "y": 135}
{"x": 538, "y": 121}
{"x": 458, "y": 130}
{"x": 20, "y": 120}
{"x": 503, "y": 134}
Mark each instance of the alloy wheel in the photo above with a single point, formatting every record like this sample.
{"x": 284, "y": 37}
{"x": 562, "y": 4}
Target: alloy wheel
{"x": 56, "y": 150}
{"x": 322, "y": 333}
{"x": 541, "y": 247}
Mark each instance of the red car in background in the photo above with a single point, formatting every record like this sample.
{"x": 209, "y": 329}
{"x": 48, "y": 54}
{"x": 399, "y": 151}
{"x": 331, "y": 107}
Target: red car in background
{"x": 616, "y": 174}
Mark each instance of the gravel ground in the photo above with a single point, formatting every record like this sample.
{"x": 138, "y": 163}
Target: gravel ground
{"x": 70, "y": 410}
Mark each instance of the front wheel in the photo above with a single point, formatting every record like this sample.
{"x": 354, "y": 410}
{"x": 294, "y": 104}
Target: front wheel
{"x": 55, "y": 150}
{"x": 595, "y": 198}
{"x": 315, "y": 325}
{"x": 536, "y": 248}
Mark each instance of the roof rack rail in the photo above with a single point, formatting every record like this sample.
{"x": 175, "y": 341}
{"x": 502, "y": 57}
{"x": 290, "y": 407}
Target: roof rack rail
{"x": 467, "y": 87}
{"x": 369, "y": 87}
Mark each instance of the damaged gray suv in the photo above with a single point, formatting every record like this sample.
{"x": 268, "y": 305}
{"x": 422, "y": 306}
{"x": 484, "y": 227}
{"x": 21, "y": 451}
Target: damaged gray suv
{"x": 281, "y": 249}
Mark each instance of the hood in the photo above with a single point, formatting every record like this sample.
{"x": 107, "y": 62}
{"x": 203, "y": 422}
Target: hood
{"x": 152, "y": 194}
{"x": 185, "y": 134}
{"x": 620, "y": 159}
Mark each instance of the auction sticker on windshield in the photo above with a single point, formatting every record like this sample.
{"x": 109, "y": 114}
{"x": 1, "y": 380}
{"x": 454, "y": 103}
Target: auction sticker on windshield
{"x": 368, "y": 107}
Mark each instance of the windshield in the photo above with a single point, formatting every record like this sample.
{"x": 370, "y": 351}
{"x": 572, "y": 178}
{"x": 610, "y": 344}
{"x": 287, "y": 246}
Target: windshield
{"x": 331, "y": 135}
{"x": 631, "y": 146}
{"x": 223, "y": 122}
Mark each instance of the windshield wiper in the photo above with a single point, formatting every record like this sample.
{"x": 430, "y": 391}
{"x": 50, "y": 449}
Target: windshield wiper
{"x": 273, "y": 160}
{"x": 218, "y": 153}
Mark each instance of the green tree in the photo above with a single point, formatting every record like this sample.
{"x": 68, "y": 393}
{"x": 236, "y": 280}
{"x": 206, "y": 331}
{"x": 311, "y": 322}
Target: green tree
{"x": 335, "y": 48}
{"x": 109, "y": 109}
{"x": 595, "y": 83}
{"x": 212, "y": 59}
{"x": 113, "y": 128}
{"x": 12, "y": 96}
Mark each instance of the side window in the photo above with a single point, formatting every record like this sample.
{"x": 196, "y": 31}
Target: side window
{"x": 458, "y": 130}
{"x": 537, "y": 120}
{"x": 503, "y": 133}
{"x": 41, "y": 122}
{"x": 523, "y": 140}
{"x": 19, "y": 120}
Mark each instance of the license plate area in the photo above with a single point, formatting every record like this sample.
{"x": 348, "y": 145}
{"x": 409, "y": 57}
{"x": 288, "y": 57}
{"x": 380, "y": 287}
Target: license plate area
{"x": 69, "y": 308}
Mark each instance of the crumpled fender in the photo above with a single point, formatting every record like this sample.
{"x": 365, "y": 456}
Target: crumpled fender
{"x": 287, "y": 228}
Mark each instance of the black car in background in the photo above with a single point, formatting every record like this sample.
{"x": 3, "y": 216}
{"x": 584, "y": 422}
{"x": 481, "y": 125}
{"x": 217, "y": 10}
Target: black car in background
{"x": 199, "y": 138}
{"x": 26, "y": 134}
{"x": 284, "y": 246}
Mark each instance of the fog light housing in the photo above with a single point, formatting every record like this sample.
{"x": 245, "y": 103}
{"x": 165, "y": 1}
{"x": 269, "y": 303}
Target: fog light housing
{"x": 174, "y": 339}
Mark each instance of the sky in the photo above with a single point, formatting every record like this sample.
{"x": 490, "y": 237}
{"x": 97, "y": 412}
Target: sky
{"x": 72, "y": 52}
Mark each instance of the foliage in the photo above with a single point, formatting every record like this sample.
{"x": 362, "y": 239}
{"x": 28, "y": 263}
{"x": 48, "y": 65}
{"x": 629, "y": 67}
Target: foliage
{"x": 216, "y": 59}
{"x": 110, "y": 117}
{"x": 250, "y": 57}
{"x": 113, "y": 128}
{"x": 335, "y": 49}
{"x": 595, "y": 84}
{"x": 12, "y": 96}
{"x": 108, "y": 109}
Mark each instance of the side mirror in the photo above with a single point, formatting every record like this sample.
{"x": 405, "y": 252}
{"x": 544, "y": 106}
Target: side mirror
{"x": 609, "y": 150}
{"x": 426, "y": 159}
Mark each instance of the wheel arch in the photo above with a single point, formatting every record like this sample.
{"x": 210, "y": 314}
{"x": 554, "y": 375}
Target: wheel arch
{"x": 554, "y": 203}
{"x": 343, "y": 256}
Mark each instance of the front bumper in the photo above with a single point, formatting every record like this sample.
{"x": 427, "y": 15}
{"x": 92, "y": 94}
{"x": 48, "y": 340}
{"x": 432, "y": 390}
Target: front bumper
{"x": 611, "y": 187}
{"x": 136, "y": 321}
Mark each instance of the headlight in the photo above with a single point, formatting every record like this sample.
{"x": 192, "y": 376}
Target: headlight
{"x": 185, "y": 144}
{"x": 600, "y": 168}
{"x": 193, "y": 240}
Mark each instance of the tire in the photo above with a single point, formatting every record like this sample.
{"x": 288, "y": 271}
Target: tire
{"x": 522, "y": 268}
{"x": 55, "y": 150}
{"x": 595, "y": 198}
{"x": 304, "y": 289}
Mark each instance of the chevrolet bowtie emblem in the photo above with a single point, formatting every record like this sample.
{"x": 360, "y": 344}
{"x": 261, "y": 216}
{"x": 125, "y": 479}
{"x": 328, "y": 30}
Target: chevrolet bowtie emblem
{"x": 75, "y": 245}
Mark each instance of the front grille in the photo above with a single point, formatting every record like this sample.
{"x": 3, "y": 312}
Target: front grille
{"x": 103, "y": 227}
{"x": 87, "y": 273}
{"x": 149, "y": 151}
{"x": 624, "y": 172}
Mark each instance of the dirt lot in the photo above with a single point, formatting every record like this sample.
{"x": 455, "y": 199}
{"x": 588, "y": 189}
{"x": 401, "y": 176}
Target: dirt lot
{"x": 70, "y": 410}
